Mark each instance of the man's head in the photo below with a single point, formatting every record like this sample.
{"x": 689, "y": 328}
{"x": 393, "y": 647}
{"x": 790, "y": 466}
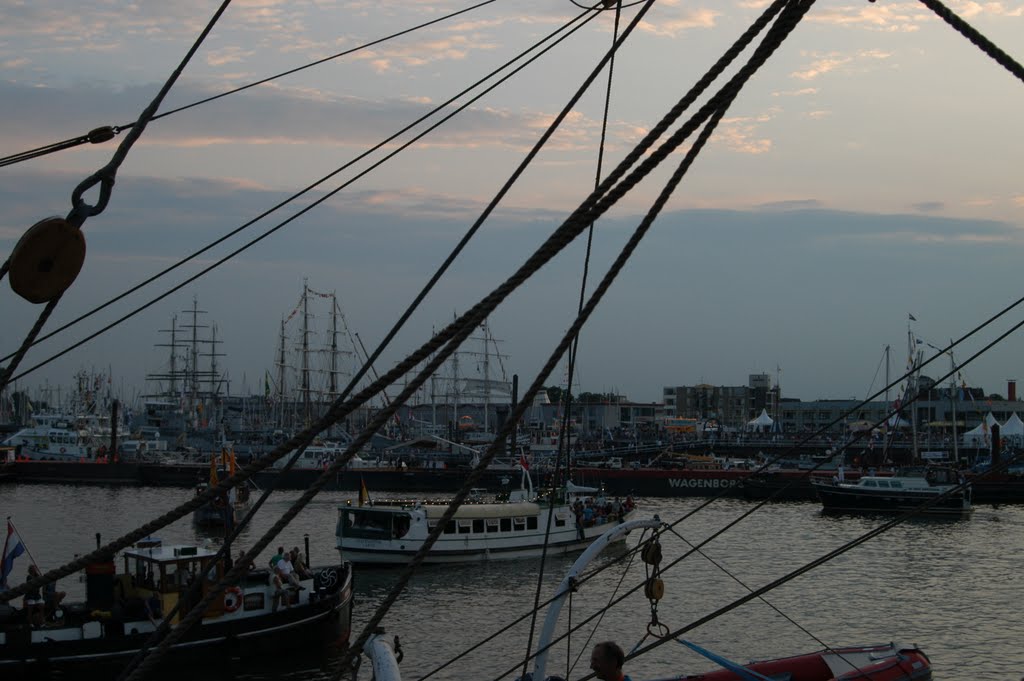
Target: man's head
{"x": 606, "y": 661}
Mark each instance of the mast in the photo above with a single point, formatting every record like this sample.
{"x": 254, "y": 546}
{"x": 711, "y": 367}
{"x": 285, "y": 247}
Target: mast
{"x": 334, "y": 347}
{"x": 952, "y": 399}
{"x": 281, "y": 367}
{"x": 915, "y": 365}
{"x": 305, "y": 353}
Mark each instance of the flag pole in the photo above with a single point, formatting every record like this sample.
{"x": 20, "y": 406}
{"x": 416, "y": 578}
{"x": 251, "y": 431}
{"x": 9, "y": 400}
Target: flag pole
{"x": 23, "y": 543}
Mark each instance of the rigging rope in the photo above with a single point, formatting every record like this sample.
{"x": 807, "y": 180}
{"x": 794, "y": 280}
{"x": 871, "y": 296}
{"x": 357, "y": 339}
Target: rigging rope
{"x": 564, "y": 434}
{"x": 105, "y": 133}
{"x": 976, "y": 37}
{"x": 105, "y": 177}
{"x": 309, "y": 188}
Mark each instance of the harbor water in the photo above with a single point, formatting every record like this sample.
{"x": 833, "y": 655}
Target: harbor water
{"x": 954, "y": 588}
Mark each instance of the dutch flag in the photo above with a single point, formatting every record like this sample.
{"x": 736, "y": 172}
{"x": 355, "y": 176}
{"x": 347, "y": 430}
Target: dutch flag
{"x": 13, "y": 547}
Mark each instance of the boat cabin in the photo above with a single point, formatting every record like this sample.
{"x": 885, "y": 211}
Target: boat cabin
{"x": 153, "y": 573}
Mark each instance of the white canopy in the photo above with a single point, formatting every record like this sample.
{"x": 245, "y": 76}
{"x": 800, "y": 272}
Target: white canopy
{"x": 982, "y": 435}
{"x": 762, "y": 420}
{"x": 1013, "y": 427}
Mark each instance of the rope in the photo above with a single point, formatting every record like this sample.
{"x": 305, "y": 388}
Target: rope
{"x": 29, "y": 339}
{"x": 309, "y": 188}
{"x": 105, "y": 178}
{"x": 564, "y": 433}
{"x": 976, "y": 37}
{"x": 196, "y": 588}
{"x": 101, "y": 134}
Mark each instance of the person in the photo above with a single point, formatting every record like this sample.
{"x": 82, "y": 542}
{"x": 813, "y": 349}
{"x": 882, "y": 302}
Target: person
{"x": 276, "y": 557}
{"x": 154, "y": 610}
{"x": 33, "y": 601}
{"x": 286, "y": 571}
{"x": 606, "y": 661}
{"x": 299, "y": 563}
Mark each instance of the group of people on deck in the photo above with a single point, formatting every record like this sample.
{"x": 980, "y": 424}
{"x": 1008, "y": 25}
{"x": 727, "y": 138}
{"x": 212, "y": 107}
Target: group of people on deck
{"x": 590, "y": 512}
{"x": 288, "y": 568}
{"x": 41, "y": 603}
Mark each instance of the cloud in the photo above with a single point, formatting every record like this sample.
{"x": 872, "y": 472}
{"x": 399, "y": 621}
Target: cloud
{"x": 687, "y": 20}
{"x": 929, "y": 206}
{"x": 833, "y": 61}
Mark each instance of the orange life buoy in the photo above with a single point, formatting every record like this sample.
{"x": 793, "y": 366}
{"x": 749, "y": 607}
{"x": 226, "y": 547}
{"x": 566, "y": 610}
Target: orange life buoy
{"x": 232, "y": 599}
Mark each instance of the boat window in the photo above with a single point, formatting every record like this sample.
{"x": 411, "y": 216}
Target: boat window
{"x": 895, "y": 483}
{"x": 431, "y": 525}
{"x": 519, "y": 524}
{"x": 465, "y": 526}
{"x": 883, "y": 483}
{"x": 559, "y": 521}
{"x": 449, "y": 527}
{"x": 506, "y": 524}
{"x": 478, "y": 525}
{"x": 366, "y": 524}
{"x": 492, "y": 525}
{"x": 531, "y": 523}
{"x": 870, "y": 483}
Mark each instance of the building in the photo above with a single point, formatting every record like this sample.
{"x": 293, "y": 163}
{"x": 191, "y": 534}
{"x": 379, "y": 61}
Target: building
{"x": 731, "y": 406}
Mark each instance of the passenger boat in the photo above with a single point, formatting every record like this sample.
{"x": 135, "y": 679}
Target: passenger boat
{"x": 122, "y": 609}
{"x": 391, "y": 533}
{"x": 908, "y": 490}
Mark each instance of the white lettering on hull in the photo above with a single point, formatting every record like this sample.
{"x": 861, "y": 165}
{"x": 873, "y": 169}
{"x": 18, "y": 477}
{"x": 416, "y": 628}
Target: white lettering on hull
{"x": 710, "y": 483}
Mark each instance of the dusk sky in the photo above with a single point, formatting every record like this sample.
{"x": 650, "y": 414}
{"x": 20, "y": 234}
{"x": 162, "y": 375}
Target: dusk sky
{"x": 869, "y": 171}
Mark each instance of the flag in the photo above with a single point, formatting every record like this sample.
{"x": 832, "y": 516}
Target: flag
{"x": 911, "y": 317}
{"x": 523, "y": 462}
{"x": 266, "y": 385}
{"x": 364, "y": 494}
{"x": 13, "y": 547}
{"x": 213, "y": 470}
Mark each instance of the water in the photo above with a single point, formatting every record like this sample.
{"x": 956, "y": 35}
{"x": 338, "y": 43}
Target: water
{"x": 952, "y": 587}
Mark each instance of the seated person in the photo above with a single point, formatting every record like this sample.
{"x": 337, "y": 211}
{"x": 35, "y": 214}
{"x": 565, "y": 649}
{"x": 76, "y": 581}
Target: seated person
{"x": 299, "y": 563}
{"x": 286, "y": 571}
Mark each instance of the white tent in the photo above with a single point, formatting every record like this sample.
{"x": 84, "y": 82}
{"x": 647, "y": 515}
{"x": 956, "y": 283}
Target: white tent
{"x": 982, "y": 435}
{"x": 762, "y": 422}
{"x": 1013, "y": 428}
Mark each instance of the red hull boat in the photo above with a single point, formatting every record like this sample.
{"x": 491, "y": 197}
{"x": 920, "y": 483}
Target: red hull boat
{"x": 887, "y": 662}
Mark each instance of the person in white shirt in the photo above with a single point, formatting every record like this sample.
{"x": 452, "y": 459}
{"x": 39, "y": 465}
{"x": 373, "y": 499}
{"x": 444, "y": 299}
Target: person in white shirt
{"x": 286, "y": 571}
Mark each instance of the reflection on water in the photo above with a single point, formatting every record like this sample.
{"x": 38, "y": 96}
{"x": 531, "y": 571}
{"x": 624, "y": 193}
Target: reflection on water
{"x": 953, "y": 587}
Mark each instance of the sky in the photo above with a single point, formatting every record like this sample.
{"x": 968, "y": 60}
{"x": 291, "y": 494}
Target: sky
{"x": 868, "y": 172}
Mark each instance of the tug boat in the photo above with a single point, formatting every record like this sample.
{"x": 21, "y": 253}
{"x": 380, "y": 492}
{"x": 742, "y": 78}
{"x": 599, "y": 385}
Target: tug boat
{"x": 122, "y": 609}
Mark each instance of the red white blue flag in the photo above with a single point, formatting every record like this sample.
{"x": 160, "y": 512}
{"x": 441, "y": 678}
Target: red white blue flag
{"x": 523, "y": 462}
{"x": 13, "y": 547}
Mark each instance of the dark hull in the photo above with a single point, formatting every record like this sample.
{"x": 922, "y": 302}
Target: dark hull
{"x": 846, "y": 500}
{"x": 644, "y": 482}
{"x": 288, "y": 631}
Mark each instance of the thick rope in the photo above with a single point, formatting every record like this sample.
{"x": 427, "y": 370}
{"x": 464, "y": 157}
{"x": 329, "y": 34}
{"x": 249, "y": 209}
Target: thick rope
{"x": 105, "y": 177}
{"x": 309, "y": 188}
{"x": 976, "y": 37}
{"x": 92, "y": 137}
{"x": 196, "y": 588}
{"x": 29, "y": 339}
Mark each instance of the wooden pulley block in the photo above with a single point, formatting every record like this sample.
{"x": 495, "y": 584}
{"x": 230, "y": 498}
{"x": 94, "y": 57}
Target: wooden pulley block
{"x": 651, "y": 554}
{"x": 654, "y": 589}
{"x": 46, "y": 260}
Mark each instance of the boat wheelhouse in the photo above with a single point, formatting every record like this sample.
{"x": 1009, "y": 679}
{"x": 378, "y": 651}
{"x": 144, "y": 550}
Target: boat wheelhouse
{"x": 123, "y": 609}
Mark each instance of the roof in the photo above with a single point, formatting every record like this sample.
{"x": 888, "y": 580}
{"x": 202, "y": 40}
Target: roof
{"x": 171, "y": 553}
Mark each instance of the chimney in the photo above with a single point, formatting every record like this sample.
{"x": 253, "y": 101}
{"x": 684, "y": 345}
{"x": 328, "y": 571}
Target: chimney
{"x": 1011, "y": 389}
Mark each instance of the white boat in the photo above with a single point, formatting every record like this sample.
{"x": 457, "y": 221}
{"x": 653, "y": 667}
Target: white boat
{"x": 391, "y": 533}
{"x": 60, "y": 437}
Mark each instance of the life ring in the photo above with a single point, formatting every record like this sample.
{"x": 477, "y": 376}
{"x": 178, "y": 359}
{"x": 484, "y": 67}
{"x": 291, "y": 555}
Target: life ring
{"x": 232, "y": 599}
{"x": 63, "y": 451}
